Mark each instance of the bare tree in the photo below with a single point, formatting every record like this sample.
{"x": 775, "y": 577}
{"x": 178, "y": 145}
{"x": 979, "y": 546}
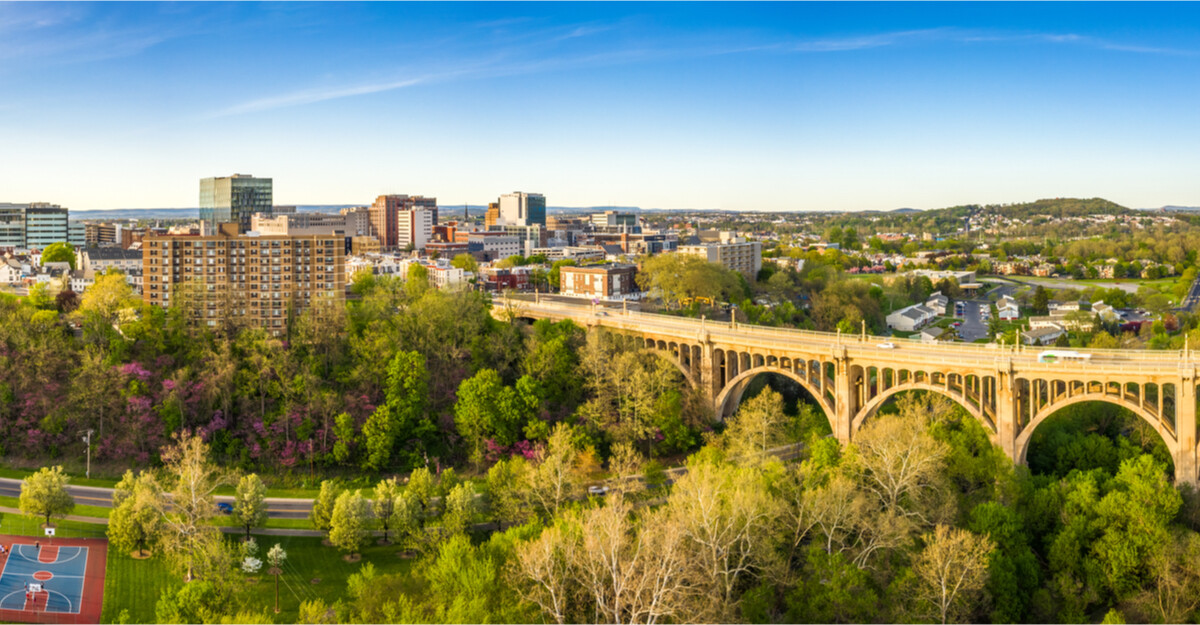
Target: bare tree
{"x": 630, "y": 576}
{"x": 546, "y": 563}
{"x": 951, "y": 571}
{"x": 189, "y": 537}
{"x": 902, "y": 465}
{"x": 725, "y": 513}
{"x": 1175, "y": 569}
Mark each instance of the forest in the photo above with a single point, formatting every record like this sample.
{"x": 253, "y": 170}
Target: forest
{"x": 402, "y": 376}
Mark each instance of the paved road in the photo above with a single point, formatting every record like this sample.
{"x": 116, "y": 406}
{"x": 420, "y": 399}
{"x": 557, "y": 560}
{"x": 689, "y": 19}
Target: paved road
{"x": 1054, "y": 283}
{"x": 1193, "y": 297}
{"x": 277, "y": 508}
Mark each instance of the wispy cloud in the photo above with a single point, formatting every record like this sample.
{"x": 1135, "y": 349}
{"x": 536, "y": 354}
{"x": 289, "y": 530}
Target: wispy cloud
{"x": 311, "y": 96}
{"x": 528, "y": 56}
{"x": 964, "y": 36}
{"x": 865, "y": 42}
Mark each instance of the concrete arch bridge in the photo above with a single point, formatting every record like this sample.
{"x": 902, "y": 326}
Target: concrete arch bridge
{"x": 1006, "y": 388}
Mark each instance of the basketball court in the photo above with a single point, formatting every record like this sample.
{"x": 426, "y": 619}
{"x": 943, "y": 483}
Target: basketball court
{"x": 52, "y": 580}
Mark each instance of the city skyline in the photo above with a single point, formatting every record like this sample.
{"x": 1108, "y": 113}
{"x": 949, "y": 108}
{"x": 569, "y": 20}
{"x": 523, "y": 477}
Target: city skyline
{"x": 715, "y": 106}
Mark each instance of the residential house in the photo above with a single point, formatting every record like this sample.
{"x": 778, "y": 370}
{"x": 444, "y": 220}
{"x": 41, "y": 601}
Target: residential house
{"x": 1007, "y": 308}
{"x": 1042, "y": 336}
{"x": 911, "y": 318}
{"x": 1107, "y": 313}
{"x": 937, "y": 302}
{"x": 931, "y": 334}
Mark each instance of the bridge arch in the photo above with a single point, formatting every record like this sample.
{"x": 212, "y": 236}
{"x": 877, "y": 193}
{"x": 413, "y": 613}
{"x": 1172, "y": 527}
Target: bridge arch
{"x": 871, "y": 407}
{"x": 737, "y": 386}
{"x": 673, "y": 359}
{"x": 1026, "y": 435}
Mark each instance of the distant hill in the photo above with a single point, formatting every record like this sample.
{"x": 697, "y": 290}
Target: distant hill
{"x": 1177, "y": 209}
{"x": 1058, "y": 207}
{"x": 906, "y": 210}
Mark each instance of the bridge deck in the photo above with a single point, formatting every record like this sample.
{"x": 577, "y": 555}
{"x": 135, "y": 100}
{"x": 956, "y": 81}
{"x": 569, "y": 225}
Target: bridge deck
{"x": 906, "y": 351}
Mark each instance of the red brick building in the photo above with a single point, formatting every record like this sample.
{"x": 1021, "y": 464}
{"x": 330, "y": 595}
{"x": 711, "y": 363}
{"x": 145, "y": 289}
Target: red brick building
{"x": 607, "y": 281}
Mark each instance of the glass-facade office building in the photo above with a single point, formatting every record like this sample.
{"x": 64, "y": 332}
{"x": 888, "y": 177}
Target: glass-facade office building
{"x": 37, "y": 225}
{"x": 45, "y": 225}
{"x": 234, "y": 199}
{"x": 12, "y": 225}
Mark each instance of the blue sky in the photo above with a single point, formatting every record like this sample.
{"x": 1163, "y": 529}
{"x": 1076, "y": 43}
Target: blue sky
{"x": 776, "y": 106}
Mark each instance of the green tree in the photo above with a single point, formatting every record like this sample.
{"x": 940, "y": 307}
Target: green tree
{"x": 488, "y": 409}
{"x": 61, "y": 252}
{"x": 466, "y": 262}
{"x": 44, "y": 494}
{"x": 384, "y": 505}
{"x": 554, "y": 276}
{"x": 40, "y": 297}
{"x": 421, "y": 487}
{"x": 1041, "y": 301}
{"x": 136, "y": 521}
{"x": 322, "y": 509}
{"x": 462, "y": 504}
{"x": 349, "y": 524}
{"x": 402, "y": 417}
{"x": 507, "y": 491}
{"x": 675, "y": 277}
{"x": 418, "y": 280}
{"x": 107, "y": 297}
{"x": 249, "y": 503}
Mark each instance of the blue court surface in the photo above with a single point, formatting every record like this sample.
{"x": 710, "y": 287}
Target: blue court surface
{"x": 61, "y": 578}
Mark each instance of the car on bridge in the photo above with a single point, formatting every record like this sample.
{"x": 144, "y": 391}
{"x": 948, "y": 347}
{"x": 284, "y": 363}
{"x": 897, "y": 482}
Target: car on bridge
{"x": 887, "y": 345}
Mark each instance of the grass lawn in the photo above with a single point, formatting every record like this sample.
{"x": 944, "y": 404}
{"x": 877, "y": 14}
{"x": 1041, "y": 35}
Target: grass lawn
{"x": 135, "y": 585}
{"x": 24, "y": 526}
{"x": 308, "y": 559}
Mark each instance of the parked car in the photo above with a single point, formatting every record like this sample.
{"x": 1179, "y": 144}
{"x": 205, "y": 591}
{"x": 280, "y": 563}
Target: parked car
{"x": 224, "y": 507}
{"x": 598, "y": 491}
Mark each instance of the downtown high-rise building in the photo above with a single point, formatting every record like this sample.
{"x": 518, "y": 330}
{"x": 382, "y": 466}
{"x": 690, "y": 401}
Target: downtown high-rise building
{"x": 523, "y": 209}
{"x": 395, "y": 231}
{"x": 259, "y": 280}
{"x": 234, "y": 199}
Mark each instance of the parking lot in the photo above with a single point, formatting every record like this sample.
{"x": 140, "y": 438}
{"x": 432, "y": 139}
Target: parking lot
{"x": 974, "y": 322}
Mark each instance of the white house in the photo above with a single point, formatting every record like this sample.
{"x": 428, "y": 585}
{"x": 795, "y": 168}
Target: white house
{"x": 10, "y": 271}
{"x": 931, "y": 335}
{"x": 1107, "y": 313}
{"x": 911, "y": 318}
{"x": 1007, "y": 308}
{"x": 937, "y": 302}
{"x": 1042, "y": 336}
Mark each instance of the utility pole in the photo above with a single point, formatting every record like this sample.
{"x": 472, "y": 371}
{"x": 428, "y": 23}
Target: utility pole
{"x": 88, "y": 440}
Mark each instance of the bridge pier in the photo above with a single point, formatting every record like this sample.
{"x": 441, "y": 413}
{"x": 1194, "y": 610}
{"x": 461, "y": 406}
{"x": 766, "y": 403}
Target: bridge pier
{"x": 1185, "y": 429}
{"x": 844, "y": 407}
{"x": 1006, "y": 415}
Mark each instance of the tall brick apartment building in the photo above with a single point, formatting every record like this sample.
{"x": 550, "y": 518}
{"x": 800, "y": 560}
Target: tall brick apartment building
{"x": 260, "y": 278}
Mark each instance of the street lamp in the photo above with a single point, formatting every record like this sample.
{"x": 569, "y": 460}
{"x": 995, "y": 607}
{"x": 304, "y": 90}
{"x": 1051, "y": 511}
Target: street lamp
{"x": 88, "y": 441}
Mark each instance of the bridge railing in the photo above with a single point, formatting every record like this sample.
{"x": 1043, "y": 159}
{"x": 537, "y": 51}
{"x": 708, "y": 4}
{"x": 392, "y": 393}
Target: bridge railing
{"x": 1020, "y": 353}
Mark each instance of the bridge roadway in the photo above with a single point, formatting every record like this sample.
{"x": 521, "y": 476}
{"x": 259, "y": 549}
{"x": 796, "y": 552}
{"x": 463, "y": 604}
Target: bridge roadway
{"x": 851, "y": 376}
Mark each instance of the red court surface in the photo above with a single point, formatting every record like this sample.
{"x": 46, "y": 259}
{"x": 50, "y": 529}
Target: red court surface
{"x": 38, "y": 607}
